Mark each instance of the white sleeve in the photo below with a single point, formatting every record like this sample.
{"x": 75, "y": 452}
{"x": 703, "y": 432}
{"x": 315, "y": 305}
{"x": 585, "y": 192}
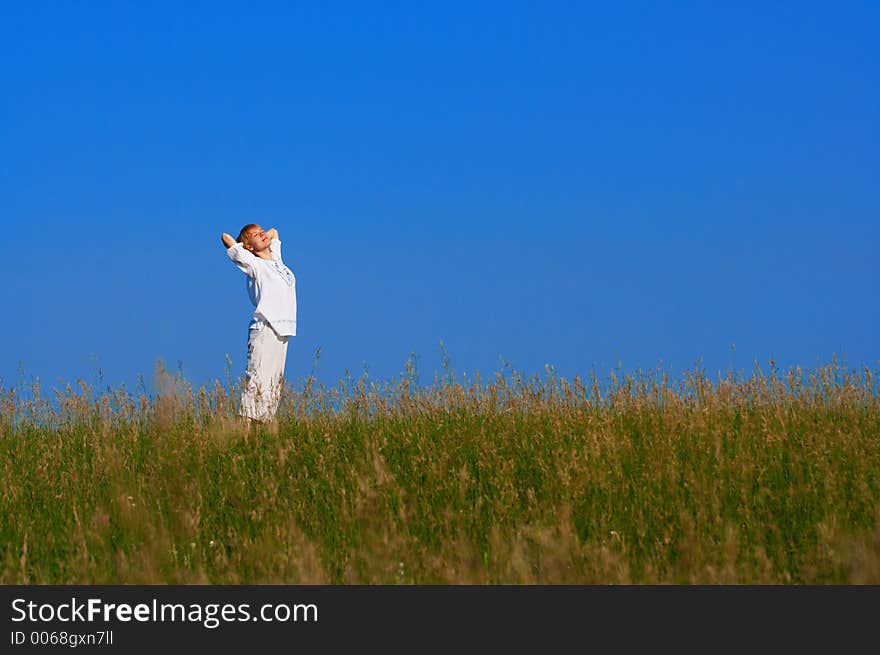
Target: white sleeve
{"x": 275, "y": 248}
{"x": 242, "y": 258}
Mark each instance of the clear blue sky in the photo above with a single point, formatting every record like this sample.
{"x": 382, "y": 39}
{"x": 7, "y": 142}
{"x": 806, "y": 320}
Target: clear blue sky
{"x": 585, "y": 185}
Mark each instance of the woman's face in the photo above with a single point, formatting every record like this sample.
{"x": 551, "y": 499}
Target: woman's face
{"x": 256, "y": 239}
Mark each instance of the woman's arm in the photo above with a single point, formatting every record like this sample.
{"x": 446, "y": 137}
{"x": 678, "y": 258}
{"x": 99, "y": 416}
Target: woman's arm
{"x": 239, "y": 255}
{"x": 275, "y": 243}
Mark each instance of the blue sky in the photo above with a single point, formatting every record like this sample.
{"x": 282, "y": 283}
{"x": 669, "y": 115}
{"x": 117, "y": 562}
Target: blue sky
{"x": 585, "y": 185}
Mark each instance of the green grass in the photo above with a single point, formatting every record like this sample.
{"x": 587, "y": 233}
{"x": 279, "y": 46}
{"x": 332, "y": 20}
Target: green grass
{"x": 774, "y": 479}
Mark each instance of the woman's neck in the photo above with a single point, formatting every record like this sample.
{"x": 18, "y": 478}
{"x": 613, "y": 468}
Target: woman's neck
{"x": 263, "y": 254}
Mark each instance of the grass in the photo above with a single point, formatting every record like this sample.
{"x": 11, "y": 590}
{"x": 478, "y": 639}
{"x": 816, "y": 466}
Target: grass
{"x": 773, "y": 479}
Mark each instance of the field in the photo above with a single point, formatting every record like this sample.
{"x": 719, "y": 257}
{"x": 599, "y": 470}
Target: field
{"x": 769, "y": 479}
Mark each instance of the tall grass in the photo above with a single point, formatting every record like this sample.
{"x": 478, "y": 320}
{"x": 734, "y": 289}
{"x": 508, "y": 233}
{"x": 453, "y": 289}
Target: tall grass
{"x": 771, "y": 479}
